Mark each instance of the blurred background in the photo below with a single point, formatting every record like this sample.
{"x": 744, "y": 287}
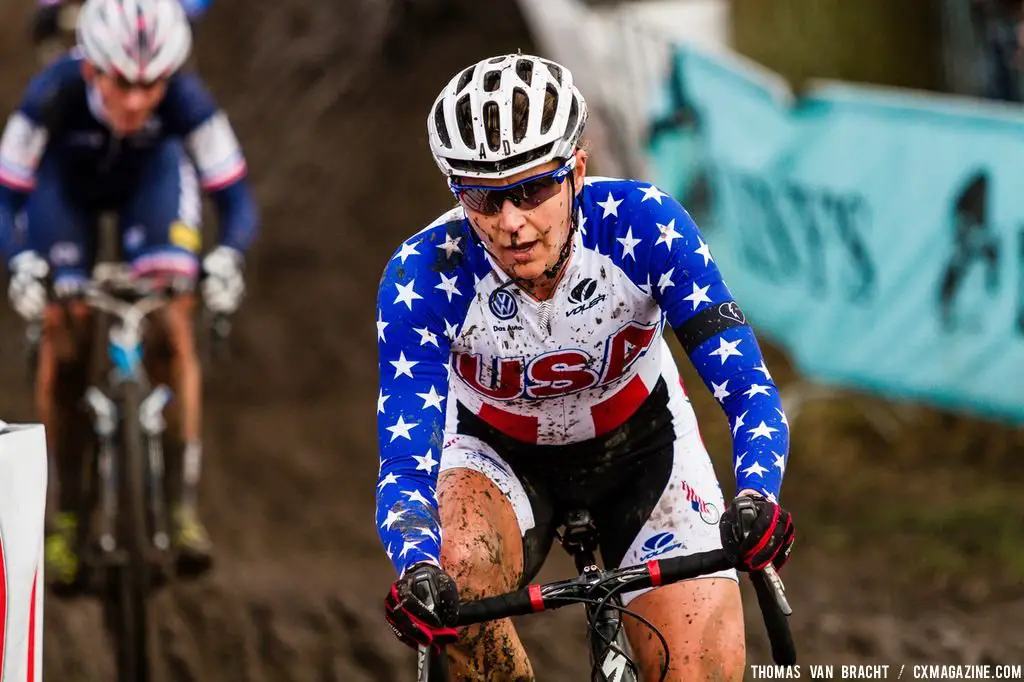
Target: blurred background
{"x": 906, "y": 465}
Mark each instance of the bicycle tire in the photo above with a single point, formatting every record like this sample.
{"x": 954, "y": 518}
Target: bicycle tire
{"x": 132, "y": 575}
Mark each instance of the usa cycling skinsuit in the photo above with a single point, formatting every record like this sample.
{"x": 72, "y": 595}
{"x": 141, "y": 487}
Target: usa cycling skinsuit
{"x": 62, "y": 165}
{"x": 575, "y": 400}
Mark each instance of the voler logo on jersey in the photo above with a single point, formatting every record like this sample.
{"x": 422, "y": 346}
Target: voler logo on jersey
{"x": 583, "y": 291}
{"x": 557, "y": 373}
{"x": 503, "y": 304}
{"x": 658, "y": 544}
{"x": 583, "y": 296}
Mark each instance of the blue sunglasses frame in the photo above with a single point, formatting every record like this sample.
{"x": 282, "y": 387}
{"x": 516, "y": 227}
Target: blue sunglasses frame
{"x": 483, "y": 199}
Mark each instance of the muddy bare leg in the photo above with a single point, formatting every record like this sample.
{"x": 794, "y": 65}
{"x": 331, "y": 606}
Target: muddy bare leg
{"x": 483, "y": 552}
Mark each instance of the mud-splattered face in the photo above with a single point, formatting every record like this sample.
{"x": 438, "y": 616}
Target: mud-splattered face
{"x": 527, "y": 241}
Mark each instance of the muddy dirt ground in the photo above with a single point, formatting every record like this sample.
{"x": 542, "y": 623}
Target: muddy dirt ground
{"x": 329, "y": 100}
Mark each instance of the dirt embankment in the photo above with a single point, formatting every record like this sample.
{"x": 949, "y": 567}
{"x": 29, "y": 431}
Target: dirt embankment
{"x": 329, "y": 100}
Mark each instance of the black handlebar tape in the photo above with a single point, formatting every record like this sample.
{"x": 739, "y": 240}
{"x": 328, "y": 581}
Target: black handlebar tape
{"x": 667, "y": 571}
{"x": 519, "y": 603}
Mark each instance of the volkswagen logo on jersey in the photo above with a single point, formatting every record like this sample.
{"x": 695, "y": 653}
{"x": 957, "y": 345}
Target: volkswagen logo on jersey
{"x": 658, "y": 544}
{"x": 709, "y": 513}
{"x": 503, "y": 304}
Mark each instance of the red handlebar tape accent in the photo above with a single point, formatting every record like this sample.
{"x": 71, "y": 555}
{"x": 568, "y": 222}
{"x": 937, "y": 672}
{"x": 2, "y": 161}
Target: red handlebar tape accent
{"x": 536, "y": 600}
{"x": 654, "y": 569}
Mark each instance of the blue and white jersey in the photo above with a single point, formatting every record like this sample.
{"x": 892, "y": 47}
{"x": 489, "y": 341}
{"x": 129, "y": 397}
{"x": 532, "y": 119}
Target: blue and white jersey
{"x": 62, "y": 116}
{"x": 453, "y": 328}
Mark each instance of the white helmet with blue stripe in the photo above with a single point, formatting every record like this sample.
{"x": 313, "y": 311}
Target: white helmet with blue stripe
{"x": 139, "y": 40}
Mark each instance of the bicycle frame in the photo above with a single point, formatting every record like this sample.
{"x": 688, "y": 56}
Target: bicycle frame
{"x": 107, "y": 294}
{"x": 609, "y": 647}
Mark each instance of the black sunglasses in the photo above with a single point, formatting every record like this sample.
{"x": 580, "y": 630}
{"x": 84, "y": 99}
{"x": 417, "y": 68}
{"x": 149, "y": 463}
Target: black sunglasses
{"x": 530, "y": 192}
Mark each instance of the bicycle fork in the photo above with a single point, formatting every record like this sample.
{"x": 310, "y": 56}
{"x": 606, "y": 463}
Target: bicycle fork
{"x": 616, "y": 665}
{"x": 105, "y": 417}
{"x": 608, "y": 644}
{"x": 104, "y": 423}
{"x": 151, "y": 416}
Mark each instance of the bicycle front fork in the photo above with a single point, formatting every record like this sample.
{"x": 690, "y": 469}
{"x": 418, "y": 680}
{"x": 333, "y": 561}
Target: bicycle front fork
{"x": 105, "y": 418}
{"x": 608, "y": 643}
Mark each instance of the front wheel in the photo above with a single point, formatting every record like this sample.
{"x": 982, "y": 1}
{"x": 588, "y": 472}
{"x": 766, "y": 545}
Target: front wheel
{"x": 132, "y": 575}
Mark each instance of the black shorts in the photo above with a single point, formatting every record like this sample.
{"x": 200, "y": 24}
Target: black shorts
{"x": 649, "y": 484}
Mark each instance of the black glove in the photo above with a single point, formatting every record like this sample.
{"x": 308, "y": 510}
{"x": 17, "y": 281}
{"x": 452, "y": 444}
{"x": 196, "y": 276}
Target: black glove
{"x": 755, "y": 532}
{"x": 422, "y": 607}
{"x": 45, "y": 23}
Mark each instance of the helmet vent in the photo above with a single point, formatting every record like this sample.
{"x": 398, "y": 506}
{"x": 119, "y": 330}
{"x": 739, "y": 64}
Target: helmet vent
{"x": 574, "y": 115}
{"x": 442, "y": 129}
{"x": 520, "y": 114}
{"x": 492, "y": 81}
{"x": 524, "y": 69}
{"x": 556, "y": 72}
{"x": 550, "y": 106}
{"x": 492, "y": 124}
{"x": 464, "y": 79}
{"x": 464, "y": 116}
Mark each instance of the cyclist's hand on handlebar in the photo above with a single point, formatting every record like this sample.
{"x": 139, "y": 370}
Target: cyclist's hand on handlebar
{"x": 224, "y": 285}
{"x": 27, "y": 288}
{"x": 45, "y": 23}
{"x": 408, "y": 609}
{"x": 756, "y": 531}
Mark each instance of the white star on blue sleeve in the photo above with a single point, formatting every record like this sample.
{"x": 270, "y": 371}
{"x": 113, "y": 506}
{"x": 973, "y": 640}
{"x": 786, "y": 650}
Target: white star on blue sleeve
{"x": 690, "y": 287}
{"x": 417, "y": 319}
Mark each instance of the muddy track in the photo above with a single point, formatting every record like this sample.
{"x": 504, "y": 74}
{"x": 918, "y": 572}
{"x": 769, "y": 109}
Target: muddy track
{"x": 329, "y": 100}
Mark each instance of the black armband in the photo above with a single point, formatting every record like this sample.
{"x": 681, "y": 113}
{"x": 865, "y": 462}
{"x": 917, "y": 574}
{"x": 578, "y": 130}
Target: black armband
{"x": 709, "y": 322}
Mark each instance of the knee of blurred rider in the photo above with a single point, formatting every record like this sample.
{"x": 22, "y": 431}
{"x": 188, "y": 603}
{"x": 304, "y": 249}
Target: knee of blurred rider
{"x": 57, "y": 349}
{"x": 46, "y": 367}
{"x": 179, "y": 327}
{"x": 56, "y": 343}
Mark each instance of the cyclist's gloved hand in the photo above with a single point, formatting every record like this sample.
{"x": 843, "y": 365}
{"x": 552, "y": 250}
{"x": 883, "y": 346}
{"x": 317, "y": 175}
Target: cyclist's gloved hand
{"x": 224, "y": 285}
{"x": 45, "y": 22}
{"x": 27, "y": 288}
{"x": 407, "y": 611}
{"x": 756, "y": 531}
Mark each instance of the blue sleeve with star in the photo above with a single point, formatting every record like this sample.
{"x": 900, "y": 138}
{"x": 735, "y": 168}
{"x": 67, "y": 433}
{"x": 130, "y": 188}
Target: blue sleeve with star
{"x": 421, "y": 301}
{"x": 699, "y": 307}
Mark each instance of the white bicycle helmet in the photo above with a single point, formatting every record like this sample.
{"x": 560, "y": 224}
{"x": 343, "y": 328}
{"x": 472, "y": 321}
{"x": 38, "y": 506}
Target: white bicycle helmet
{"x": 141, "y": 40}
{"x": 474, "y": 134}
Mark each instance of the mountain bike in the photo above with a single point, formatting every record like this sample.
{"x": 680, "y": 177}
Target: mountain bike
{"x": 599, "y": 589}
{"x": 132, "y": 548}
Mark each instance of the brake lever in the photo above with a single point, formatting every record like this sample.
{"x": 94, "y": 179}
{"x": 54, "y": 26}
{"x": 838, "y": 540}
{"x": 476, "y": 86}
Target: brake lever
{"x": 778, "y": 590}
{"x": 748, "y": 515}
